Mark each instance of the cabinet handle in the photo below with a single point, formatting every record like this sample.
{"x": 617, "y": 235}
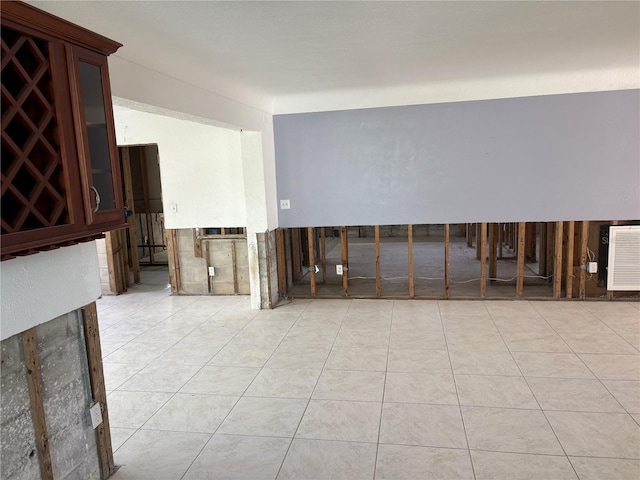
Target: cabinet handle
{"x": 97, "y": 198}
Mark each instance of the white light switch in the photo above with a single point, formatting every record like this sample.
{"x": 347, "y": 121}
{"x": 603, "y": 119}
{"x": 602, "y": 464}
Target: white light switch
{"x": 285, "y": 204}
{"x": 96, "y": 415}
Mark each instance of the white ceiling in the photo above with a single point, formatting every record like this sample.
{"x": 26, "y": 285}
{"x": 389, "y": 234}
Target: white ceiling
{"x": 277, "y": 49}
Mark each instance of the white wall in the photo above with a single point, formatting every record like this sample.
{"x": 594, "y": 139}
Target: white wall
{"x": 173, "y": 97}
{"x": 41, "y": 287}
{"x": 200, "y": 167}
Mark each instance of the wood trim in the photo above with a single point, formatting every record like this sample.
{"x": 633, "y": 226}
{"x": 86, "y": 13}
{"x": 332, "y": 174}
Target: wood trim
{"x": 34, "y": 381}
{"x": 412, "y": 291}
{"x": 569, "y": 267}
{"x": 344, "y": 245}
{"x": 376, "y": 230}
{"x": 447, "y": 277}
{"x": 483, "y": 260}
{"x": 54, "y": 26}
{"x": 98, "y": 391}
{"x": 520, "y": 260}
{"x": 582, "y": 275}
{"x": 312, "y": 260}
{"x": 557, "y": 261}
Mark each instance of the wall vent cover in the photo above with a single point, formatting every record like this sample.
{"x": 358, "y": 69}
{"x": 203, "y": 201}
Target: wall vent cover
{"x": 624, "y": 258}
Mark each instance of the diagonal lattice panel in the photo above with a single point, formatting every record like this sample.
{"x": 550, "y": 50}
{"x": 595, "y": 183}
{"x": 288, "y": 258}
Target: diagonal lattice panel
{"x": 33, "y": 186}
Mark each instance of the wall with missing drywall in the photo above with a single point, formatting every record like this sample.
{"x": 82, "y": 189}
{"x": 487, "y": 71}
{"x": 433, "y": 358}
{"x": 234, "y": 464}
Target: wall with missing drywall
{"x": 545, "y": 158}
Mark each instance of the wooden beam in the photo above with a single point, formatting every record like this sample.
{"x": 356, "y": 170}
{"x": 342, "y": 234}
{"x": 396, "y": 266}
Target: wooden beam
{"x": 344, "y": 243}
{"x": 520, "y": 256}
{"x": 447, "y": 279}
{"x": 176, "y": 255}
{"x": 98, "y": 391}
{"x": 542, "y": 264}
{"x": 282, "y": 262}
{"x": 569, "y": 267}
{"x": 267, "y": 254}
{"x": 323, "y": 253}
{"x": 412, "y": 291}
{"x": 312, "y": 261}
{"x": 34, "y": 381}
{"x": 197, "y": 245}
{"x": 483, "y": 260}
{"x": 610, "y": 293}
{"x": 147, "y": 206}
{"x": 557, "y": 261}
{"x": 295, "y": 253}
{"x": 111, "y": 263}
{"x": 469, "y": 236}
{"x": 131, "y": 219}
{"x": 234, "y": 266}
{"x": 582, "y": 275}
{"x": 493, "y": 251}
{"x": 377, "y": 240}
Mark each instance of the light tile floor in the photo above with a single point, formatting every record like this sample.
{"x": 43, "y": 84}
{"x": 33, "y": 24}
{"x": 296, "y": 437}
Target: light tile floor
{"x": 205, "y": 387}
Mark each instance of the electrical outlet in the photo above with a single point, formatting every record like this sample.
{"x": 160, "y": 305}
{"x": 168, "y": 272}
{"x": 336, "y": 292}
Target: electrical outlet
{"x": 96, "y": 415}
{"x": 339, "y": 269}
{"x": 212, "y": 272}
{"x": 592, "y": 267}
{"x": 174, "y": 208}
{"x": 285, "y": 204}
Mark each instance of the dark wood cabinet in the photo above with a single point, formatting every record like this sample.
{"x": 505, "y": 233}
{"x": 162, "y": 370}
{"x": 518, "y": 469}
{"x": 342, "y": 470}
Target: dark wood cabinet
{"x": 61, "y": 178}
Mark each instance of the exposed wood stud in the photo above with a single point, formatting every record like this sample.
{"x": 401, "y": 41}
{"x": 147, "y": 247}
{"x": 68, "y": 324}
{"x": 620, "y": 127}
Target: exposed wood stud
{"x": 610, "y": 293}
{"x": 582, "y": 275}
{"x": 323, "y": 253}
{"x": 197, "y": 244}
{"x": 550, "y": 236}
{"x": 557, "y": 261}
{"x": 482, "y": 241}
{"x": 493, "y": 251}
{"x": 478, "y": 240}
{"x": 34, "y": 381}
{"x": 267, "y": 254}
{"x": 469, "y": 236}
{"x": 447, "y": 279}
{"x": 500, "y": 240}
{"x": 520, "y": 256}
{"x": 208, "y": 262}
{"x": 344, "y": 243}
{"x": 282, "y": 262}
{"x": 377, "y": 240}
{"x": 96, "y": 376}
{"x": 542, "y": 264}
{"x": 312, "y": 261}
{"x": 147, "y": 205}
{"x": 295, "y": 253}
{"x": 125, "y": 258}
{"x": 131, "y": 220}
{"x": 171, "y": 259}
{"x": 234, "y": 266}
{"x": 412, "y": 291}
{"x": 569, "y": 268}
{"x": 112, "y": 263}
{"x": 176, "y": 260}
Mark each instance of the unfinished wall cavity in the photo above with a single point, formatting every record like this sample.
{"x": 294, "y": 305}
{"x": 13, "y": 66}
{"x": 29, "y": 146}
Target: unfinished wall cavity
{"x": 66, "y": 397}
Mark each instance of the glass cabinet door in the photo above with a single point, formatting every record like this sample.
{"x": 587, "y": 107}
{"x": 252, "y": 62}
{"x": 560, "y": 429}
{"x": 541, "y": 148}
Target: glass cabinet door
{"x": 96, "y": 138}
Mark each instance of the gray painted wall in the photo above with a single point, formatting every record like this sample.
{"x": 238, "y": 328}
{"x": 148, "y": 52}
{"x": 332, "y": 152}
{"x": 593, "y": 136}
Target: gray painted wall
{"x": 559, "y": 157}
